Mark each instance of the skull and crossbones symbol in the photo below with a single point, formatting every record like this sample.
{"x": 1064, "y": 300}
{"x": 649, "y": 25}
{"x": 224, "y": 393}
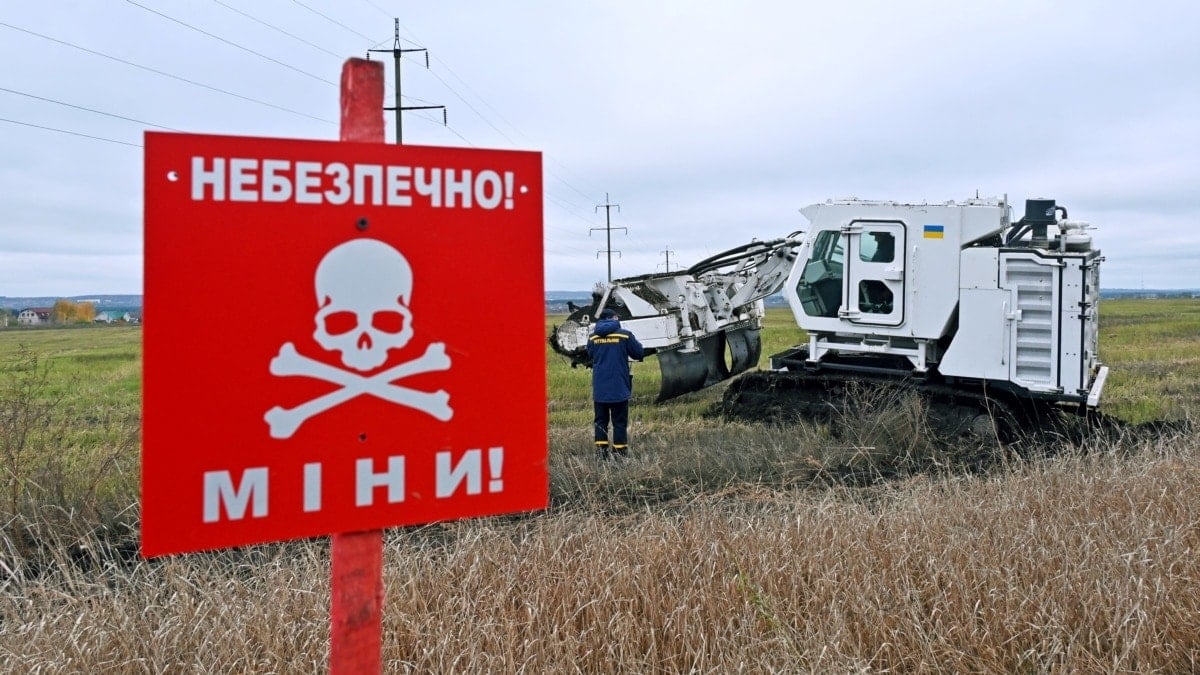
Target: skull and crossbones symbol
{"x": 364, "y": 287}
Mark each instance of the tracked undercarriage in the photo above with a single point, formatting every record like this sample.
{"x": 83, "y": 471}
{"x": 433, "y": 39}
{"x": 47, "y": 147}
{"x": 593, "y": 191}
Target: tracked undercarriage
{"x": 839, "y": 392}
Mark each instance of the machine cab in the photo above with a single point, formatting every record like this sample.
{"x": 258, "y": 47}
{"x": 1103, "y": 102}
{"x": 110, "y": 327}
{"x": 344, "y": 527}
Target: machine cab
{"x": 855, "y": 273}
{"x": 882, "y": 278}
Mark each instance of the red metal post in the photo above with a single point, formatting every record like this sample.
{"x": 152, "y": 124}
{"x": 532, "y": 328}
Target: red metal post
{"x": 356, "y": 608}
{"x": 362, "y": 101}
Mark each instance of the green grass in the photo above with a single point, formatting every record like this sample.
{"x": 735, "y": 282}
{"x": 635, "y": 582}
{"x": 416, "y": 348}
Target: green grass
{"x": 70, "y": 402}
{"x": 95, "y": 365}
{"x": 1152, "y": 348}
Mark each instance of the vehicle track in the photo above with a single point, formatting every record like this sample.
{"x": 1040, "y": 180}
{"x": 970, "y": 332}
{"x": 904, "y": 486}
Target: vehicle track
{"x": 954, "y": 414}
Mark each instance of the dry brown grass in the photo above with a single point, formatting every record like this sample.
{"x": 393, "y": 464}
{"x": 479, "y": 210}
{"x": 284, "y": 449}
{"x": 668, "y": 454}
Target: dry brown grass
{"x": 1083, "y": 563}
{"x": 720, "y": 547}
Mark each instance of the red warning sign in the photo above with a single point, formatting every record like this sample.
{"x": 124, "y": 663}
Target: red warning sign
{"x": 338, "y": 337}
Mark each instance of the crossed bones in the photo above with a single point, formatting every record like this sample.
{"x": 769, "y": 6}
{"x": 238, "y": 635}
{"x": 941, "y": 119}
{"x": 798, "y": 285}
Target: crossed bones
{"x": 285, "y": 421}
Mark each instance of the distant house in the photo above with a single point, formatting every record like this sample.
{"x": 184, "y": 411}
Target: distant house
{"x": 34, "y": 316}
{"x": 104, "y": 317}
{"x": 131, "y": 317}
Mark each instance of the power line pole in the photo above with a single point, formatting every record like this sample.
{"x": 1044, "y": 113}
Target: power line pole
{"x": 608, "y": 228}
{"x": 396, "y": 51}
{"x": 667, "y": 252}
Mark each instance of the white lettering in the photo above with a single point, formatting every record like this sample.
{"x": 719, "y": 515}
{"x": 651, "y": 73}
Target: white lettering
{"x": 469, "y": 468}
{"x": 458, "y": 188}
{"x": 214, "y": 178}
{"x": 219, "y": 489}
{"x": 243, "y": 178}
{"x": 366, "y": 481}
{"x": 312, "y": 487}
{"x": 496, "y": 469}
{"x": 431, "y": 188}
{"x": 361, "y": 173}
{"x": 341, "y": 180}
{"x": 275, "y": 185}
{"x": 486, "y": 199}
{"x": 308, "y": 182}
{"x": 398, "y": 184}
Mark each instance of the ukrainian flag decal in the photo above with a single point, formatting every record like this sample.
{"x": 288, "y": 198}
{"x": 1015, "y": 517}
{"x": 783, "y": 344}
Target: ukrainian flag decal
{"x": 935, "y": 231}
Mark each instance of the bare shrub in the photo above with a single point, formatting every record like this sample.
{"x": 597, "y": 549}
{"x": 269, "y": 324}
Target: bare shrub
{"x": 26, "y": 411}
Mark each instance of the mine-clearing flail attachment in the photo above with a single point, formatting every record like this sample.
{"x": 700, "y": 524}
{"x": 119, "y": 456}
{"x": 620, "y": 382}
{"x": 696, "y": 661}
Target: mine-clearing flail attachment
{"x": 703, "y": 323}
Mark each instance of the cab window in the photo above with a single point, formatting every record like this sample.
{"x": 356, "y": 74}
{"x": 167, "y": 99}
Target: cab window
{"x": 877, "y": 247}
{"x": 820, "y": 287}
{"x": 874, "y": 297}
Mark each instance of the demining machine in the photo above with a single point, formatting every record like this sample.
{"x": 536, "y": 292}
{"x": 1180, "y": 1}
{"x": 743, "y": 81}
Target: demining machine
{"x": 988, "y": 319}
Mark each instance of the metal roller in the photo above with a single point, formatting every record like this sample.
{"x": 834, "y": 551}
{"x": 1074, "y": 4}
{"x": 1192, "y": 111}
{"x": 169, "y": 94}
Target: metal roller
{"x": 686, "y": 371}
{"x": 745, "y": 349}
{"x": 713, "y": 349}
{"x": 682, "y": 373}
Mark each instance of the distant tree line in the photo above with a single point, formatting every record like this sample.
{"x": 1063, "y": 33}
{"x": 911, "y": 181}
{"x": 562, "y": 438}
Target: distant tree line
{"x": 69, "y": 311}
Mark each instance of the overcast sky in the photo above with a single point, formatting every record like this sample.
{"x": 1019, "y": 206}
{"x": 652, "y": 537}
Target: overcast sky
{"x": 709, "y": 123}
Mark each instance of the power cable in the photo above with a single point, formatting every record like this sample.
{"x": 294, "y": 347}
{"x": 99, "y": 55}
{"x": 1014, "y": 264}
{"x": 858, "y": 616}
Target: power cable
{"x": 64, "y": 131}
{"x": 165, "y": 74}
{"x": 489, "y": 122}
{"x": 471, "y": 107}
{"x": 637, "y": 239}
{"x": 91, "y": 110}
{"x": 278, "y": 29}
{"x": 234, "y": 44}
{"x": 330, "y": 20}
{"x": 569, "y": 209}
{"x": 378, "y": 9}
{"x": 497, "y": 113}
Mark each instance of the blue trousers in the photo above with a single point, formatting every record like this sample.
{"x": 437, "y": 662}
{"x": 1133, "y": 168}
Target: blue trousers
{"x": 618, "y": 414}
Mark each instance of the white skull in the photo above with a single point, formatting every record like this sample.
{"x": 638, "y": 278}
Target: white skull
{"x": 363, "y": 291}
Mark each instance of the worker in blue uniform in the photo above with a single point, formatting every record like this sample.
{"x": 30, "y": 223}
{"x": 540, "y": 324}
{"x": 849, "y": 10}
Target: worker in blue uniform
{"x": 611, "y": 347}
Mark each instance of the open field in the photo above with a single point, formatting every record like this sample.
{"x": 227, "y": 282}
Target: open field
{"x": 720, "y": 547}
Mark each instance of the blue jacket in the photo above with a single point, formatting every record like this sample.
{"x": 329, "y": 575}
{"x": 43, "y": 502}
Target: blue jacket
{"x": 611, "y": 347}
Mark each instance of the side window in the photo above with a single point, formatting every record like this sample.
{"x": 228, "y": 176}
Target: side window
{"x": 874, "y": 297}
{"x": 877, "y": 247}
{"x": 820, "y": 287}
{"x": 835, "y": 242}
